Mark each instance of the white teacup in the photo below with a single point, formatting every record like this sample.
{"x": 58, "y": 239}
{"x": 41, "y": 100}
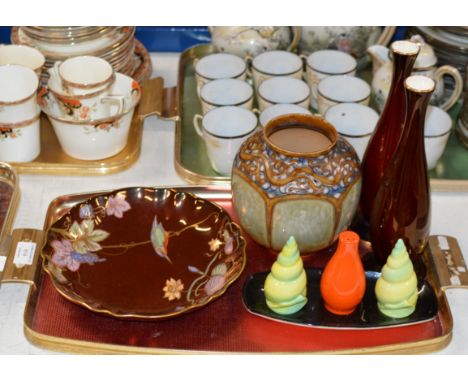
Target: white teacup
{"x": 224, "y": 129}
{"x": 324, "y": 63}
{"x": 354, "y": 122}
{"x": 83, "y": 75}
{"x": 226, "y": 92}
{"x": 274, "y": 111}
{"x": 22, "y": 55}
{"x": 81, "y": 86}
{"x": 20, "y": 141}
{"x": 18, "y": 87}
{"x": 342, "y": 89}
{"x": 283, "y": 90}
{"x": 276, "y": 63}
{"x": 219, "y": 66}
{"x": 437, "y": 128}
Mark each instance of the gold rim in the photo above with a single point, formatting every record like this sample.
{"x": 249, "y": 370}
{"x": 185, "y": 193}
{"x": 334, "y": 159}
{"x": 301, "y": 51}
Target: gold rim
{"x": 88, "y": 86}
{"x": 126, "y": 33}
{"x": 242, "y": 248}
{"x": 95, "y": 121}
{"x": 23, "y": 100}
{"x": 19, "y": 125}
{"x": 88, "y": 347}
{"x": 83, "y": 96}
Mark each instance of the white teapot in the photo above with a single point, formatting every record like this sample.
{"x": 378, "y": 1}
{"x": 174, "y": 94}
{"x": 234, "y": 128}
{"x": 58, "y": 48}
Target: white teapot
{"x": 353, "y": 40}
{"x": 382, "y": 69}
{"x": 251, "y": 41}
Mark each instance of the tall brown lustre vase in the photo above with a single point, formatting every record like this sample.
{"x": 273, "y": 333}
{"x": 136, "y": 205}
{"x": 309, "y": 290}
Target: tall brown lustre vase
{"x": 402, "y": 203}
{"x": 389, "y": 127}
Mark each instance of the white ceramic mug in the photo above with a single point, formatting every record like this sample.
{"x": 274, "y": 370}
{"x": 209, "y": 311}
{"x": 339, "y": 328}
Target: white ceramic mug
{"x": 20, "y": 141}
{"x": 81, "y": 85}
{"x": 437, "y": 128}
{"x": 18, "y": 87}
{"x": 219, "y": 66}
{"x": 283, "y": 90}
{"x": 224, "y": 129}
{"x": 22, "y": 55}
{"x": 276, "y": 63}
{"x": 342, "y": 89}
{"x": 279, "y": 109}
{"x": 226, "y": 92}
{"x": 354, "y": 122}
{"x": 324, "y": 63}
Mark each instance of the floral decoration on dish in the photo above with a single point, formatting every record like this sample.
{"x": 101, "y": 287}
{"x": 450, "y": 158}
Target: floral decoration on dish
{"x": 144, "y": 253}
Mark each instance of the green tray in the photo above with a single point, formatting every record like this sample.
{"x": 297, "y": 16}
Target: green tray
{"x": 191, "y": 159}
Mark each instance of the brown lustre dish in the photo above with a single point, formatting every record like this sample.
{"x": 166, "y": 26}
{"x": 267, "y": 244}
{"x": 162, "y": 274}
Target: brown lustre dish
{"x": 144, "y": 253}
{"x": 278, "y": 191}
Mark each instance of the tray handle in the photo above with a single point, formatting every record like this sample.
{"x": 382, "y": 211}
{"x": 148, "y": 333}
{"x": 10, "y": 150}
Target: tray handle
{"x": 21, "y": 264}
{"x": 158, "y": 100}
{"x": 448, "y": 262}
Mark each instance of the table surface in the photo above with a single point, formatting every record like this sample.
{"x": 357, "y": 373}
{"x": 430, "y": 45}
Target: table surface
{"x": 155, "y": 168}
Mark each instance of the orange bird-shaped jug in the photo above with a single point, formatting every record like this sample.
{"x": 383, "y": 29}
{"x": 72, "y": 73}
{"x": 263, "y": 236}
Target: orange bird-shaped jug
{"x": 343, "y": 281}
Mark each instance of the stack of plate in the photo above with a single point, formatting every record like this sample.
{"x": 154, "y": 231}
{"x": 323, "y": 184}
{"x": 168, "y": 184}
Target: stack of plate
{"x": 450, "y": 44}
{"x": 117, "y": 45}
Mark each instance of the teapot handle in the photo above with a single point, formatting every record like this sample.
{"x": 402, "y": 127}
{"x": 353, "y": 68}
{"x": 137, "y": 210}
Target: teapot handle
{"x": 455, "y": 74}
{"x": 386, "y": 36}
{"x": 296, "y": 31}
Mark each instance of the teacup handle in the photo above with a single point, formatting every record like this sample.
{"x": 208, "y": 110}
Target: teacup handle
{"x": 197, "y": 118}
{"x": 54, "y": 72}
{"x": 455, "y": 74}
{"x": 296, "y": 31}
{"x": 115, "y": 100}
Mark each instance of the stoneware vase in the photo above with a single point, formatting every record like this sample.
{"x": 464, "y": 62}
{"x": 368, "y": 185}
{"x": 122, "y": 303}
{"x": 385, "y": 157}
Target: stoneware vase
{"x": 298, "y": 178}
{"x": 343, "y": 281}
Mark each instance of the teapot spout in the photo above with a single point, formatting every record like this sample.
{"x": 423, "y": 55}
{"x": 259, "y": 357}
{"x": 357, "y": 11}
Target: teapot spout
{"x": 379, "y": 55}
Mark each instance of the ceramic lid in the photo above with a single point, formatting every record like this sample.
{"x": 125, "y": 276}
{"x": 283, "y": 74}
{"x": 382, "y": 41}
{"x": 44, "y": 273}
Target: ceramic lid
{"x": 426, "y": 57}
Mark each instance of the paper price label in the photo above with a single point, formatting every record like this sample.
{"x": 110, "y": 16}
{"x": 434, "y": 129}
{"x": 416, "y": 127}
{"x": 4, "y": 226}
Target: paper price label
{"x": 2, "y": 263}
{"x": 24, "y": 254}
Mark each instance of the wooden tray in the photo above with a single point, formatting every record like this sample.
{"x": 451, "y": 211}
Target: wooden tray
{"x": 53, "y": 160}
{"x": 224, "y": 326}
{"x": 191, "y": 160}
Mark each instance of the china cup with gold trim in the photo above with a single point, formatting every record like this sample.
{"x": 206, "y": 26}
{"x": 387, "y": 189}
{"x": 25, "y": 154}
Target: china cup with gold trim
{"x": 226, "y": 92}
{"x": 274, "y": 64}
{"x": 81, "y": 86}
{"x": 18, "y": 87}
{"x": 219, "y": 66}
{"x": 98, "y": 138}
{"x": 333, "y": 90}
{"x": 22, "y": 55}
{"x": 224, "y": 129}
{"x": 283, "y": 90}
{"x": 324, "y": 63}
{"x": 20, "y": 141}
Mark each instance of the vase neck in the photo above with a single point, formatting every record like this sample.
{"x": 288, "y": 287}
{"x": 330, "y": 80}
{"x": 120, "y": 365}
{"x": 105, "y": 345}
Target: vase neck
{"x": 402, "y": 68}
{"x": 416, "y": 107}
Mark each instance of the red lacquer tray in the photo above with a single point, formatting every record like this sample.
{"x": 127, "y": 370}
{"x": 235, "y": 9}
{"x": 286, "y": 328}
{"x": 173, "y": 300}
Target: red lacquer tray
{"x": 225, "y": 325}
